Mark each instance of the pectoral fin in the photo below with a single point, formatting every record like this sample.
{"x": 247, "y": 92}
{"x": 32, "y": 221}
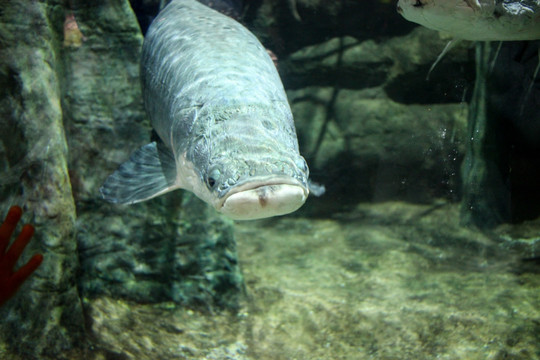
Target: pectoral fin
{"x": 149, "y": 172}
{"x": 316, "y": 189}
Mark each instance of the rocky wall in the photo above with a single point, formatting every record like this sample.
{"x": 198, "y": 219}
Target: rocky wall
{"x": 46, "y": 317}
{"x": 71, "y": 112}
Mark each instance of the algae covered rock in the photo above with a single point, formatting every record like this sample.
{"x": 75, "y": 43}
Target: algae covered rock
{"x": 46, "y": 317}
{"x": 176, "y": 249}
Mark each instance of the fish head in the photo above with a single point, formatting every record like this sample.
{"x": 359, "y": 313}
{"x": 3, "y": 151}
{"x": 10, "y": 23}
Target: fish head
{"x": 247, "y": 172}
{"x": 450, "y": 16}
{"x": 255, "y": 190}
{"x": 244, "y": 188}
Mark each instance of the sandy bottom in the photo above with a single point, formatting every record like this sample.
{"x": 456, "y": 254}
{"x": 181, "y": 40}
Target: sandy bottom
{"x": 388, "y": 281}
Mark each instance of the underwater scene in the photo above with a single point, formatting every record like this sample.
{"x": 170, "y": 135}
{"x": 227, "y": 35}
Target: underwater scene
{"x": 269, "y": 179}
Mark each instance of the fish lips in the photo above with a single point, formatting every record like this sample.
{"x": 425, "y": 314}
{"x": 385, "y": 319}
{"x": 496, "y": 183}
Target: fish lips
{"x": 263, "y": 197}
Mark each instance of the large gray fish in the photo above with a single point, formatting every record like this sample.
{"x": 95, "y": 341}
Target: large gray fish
{"x": 226, "y": 130}
{"x": 484, "y": 20}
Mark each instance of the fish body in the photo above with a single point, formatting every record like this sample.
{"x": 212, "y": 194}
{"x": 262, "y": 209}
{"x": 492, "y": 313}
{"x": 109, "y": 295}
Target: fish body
{"x": 226, "y": 130}
{"x": 482, "y": 20}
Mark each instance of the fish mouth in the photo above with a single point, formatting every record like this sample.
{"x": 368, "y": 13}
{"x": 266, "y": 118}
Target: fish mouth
{"x": 263, "y": 197}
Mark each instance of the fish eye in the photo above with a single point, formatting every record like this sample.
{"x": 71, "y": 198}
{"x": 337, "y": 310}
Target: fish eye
{"x": 212, "y": 178}
{"x": 418, "y": 3}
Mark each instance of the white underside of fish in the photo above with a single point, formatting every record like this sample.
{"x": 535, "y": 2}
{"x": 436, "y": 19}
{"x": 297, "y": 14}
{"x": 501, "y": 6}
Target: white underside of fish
{"x": 264, "y": 201}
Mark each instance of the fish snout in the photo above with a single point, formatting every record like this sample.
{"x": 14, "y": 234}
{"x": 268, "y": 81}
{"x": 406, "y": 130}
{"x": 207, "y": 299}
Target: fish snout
{"x": 264, "y": 201}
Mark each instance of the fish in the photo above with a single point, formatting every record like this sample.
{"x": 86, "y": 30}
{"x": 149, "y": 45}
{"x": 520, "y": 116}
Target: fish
{"x": 476, "y": 20}
{"x": 225, "y": 130}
